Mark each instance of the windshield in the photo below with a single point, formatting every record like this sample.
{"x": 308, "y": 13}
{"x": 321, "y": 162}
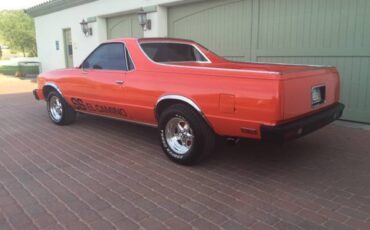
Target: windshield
{"x": 172, "y": 52}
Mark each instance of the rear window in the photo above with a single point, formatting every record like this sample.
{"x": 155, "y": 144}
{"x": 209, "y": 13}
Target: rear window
{"x": 172, "y": 52}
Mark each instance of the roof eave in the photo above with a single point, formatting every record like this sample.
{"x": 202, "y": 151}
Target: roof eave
{"x": 54, "y": 6}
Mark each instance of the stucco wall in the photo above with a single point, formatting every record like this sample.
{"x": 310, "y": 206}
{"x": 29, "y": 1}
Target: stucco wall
{"x": 49, "y": 28}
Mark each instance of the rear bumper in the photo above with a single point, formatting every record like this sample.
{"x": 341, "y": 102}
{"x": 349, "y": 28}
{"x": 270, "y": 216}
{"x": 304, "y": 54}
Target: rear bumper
{"x": 37, "y": 94}
{"x": 303, "y": 126}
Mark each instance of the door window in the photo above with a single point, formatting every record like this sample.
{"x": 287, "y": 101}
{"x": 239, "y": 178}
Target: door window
{"x": 130, "y": 64}
{"x": 107, "y": 56}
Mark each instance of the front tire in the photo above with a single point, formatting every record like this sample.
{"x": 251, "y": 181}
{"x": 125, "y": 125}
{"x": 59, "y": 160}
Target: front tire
{"x": 185, "y": 137}
{"x": 59, "y": 111}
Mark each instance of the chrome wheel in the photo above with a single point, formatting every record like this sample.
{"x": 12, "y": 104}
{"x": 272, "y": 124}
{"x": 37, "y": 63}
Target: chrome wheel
{"x": 55, "y": 108}
{"x": 179, "y": 135}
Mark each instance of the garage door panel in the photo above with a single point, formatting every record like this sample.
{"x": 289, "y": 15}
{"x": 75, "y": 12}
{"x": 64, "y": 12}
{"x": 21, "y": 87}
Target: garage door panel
{"x": 177, "y": 12}
{"x": 119, "y": 27}
{"x": 314, "y": 24}
{"x": 231, "y": 58}
{"x": 123, "y": 26}
{"x": 202, "y": 24}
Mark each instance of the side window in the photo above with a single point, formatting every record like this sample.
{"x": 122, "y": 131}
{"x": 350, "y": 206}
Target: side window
{"x": 199, "y": 56}
{"x": 109, "y": 56}
{"x": 130, "y": 64}
{"x": 172, "y": 52}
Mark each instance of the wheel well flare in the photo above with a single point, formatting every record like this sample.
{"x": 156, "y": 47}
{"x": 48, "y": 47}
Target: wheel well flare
{"x": 48, "y": 88}
{"x": 167, "y": 101}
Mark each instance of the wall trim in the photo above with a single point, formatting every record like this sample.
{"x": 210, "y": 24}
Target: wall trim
{"x": 54, "y": 6}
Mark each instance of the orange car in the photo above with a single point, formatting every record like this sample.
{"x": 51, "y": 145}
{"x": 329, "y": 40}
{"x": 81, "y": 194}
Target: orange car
{"x": 192, "y": 95}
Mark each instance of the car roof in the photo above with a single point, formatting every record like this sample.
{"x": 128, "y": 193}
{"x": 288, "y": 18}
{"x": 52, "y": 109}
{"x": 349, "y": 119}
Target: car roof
{"x": 153, "y": 39}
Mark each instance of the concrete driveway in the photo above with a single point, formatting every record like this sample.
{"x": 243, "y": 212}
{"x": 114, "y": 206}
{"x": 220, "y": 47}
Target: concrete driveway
{"x": 105, "y": 174}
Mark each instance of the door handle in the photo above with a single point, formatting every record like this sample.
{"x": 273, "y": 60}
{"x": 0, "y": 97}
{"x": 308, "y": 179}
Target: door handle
{"x": 119, "y": 82}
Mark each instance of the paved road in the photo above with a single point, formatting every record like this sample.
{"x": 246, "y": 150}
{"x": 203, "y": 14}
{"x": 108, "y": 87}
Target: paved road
{"x": 105, "y": 174}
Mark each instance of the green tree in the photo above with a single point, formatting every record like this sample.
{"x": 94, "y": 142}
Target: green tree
{"x": 17, "y": 30}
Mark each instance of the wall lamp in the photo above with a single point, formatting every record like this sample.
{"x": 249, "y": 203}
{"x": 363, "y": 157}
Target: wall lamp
{"x": 86, "y": 30}
{"x": 144, "y": 22}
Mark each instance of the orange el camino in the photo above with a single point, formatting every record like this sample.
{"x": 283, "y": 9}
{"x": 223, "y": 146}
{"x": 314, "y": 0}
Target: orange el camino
{"x": 192, "y": 95}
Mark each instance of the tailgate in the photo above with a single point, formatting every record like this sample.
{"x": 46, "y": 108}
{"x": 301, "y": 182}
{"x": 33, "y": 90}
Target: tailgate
{"x": 307, "y": 91}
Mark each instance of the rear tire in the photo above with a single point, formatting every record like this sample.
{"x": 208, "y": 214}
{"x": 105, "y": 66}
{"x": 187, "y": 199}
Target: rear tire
{"x": 184, "y": 135}
{"x": 58, "y": 109}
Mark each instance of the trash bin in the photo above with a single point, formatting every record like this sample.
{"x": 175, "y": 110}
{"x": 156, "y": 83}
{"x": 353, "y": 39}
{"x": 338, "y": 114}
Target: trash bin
{"x": 9, "y": 69}
{"x": 29, "y": 69}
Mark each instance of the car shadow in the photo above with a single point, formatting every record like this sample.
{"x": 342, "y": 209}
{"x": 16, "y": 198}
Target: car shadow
{"x": 290, "y": 155}
{"x": 311, "y": 162}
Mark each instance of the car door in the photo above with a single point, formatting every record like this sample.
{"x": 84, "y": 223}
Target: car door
{"x": 100, "y": 87}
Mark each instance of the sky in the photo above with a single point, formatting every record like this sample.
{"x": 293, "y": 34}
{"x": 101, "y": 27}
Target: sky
{"x": 18, "y": 4}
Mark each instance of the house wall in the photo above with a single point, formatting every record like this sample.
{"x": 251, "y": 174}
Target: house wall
{"x": 49, "y": 28}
